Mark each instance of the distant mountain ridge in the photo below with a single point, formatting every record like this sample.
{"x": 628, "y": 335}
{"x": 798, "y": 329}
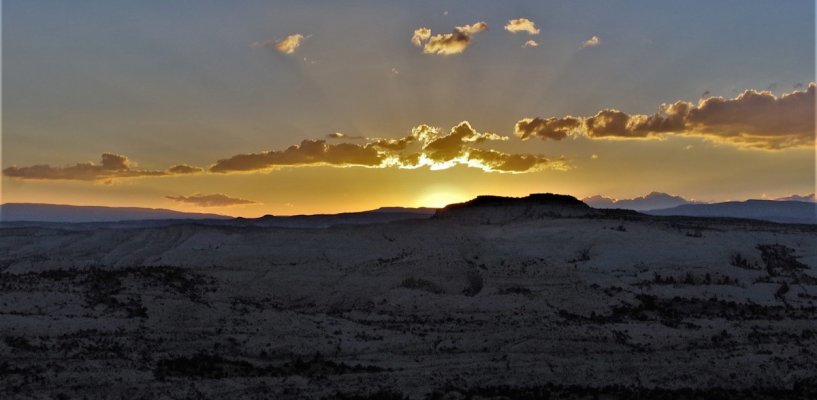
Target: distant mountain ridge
{"x": 652, "y": 201}
{"x": 59, "y": 213}
{"x": 806, "y": 198}
{"x": 37, "y": 212}
{"x": 376, "y": 216}
{"x": 797, "y": 212}
{"x": 418, "y": 210}
{"x": 481, "y": 208}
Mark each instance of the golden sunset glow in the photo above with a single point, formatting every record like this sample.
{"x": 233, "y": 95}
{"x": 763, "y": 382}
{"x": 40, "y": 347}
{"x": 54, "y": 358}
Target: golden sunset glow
{"x": 292, "y": 111}
{"x": 440, "y": 197}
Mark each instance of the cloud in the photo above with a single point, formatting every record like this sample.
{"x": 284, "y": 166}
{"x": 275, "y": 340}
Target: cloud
{"x": 522, "y": 25}
{"x": 473, "y": 28}
{"x": 426, "y": 146}
{"x": 547, "y": 128}
{"x": 492, "y": 160}
{"x": 530, "y": 43}
{"x": 184, "y": 169}
{"x": 308, "y": 152}
{"x": 211, "y": 200}
{"x": 449, "y": 43}
{"x": 339, "y": 135}
{"x": 287, "y": 45}
{"x": 420, "y": 36}
{"x": 753, "y": 119}
{"x": 453, "y": 145}
{"x": 112, "y": 166}
{"x": 592, "y": 42}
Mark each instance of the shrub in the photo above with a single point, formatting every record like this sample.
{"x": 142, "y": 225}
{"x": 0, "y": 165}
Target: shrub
{"x": 421, "y": 284}
{"x": 738, "y": 260}
{"x": 475, "y": 283}
{"x": 581, "y": 255}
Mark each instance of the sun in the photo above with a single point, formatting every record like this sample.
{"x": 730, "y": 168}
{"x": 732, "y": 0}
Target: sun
{"x": 440, "y": 198}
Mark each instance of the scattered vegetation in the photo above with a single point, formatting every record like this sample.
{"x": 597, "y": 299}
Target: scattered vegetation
{"x": 382, "y": 394}
{"x": 690, "y": 279}
{"x": 780, "y": 260}
{"x": 581, "y": 255}
{"x": 20, "y": 343}
{"x": 421, "y": 284}
{"x": 475, "y": 283}
{"x": 780, "y": 294}
{"x": 673, "y": 312}
{"x": 211, "y": 366}
{"x": 179, "y": 280}
{"x": 114, "y": 290}
{"x": 391, "y": 260}
{"x": 800, "y": 390}
{"x": 518, "y": 290}
{"x": 738, "y": 260}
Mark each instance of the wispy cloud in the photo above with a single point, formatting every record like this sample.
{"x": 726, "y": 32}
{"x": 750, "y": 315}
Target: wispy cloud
{"x": 112, "y": 166}
{"x": 753, "y": 119}
{"x": 211, "y": 200}
{"x": 522, "y": 25}
{"x": 448, "y": 43}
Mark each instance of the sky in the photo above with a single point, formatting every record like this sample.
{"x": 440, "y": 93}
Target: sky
{"x": 288, "y": 107}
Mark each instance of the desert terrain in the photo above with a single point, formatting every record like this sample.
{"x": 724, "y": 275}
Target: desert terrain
{"x": 495, "y": 298}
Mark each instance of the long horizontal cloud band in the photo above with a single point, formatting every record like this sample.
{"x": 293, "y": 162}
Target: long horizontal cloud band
{"x": 755, "y": 119}
{"x": 211, "y": 200}
{"x": 112, "y": 166}
{"x": 424, "y": 147}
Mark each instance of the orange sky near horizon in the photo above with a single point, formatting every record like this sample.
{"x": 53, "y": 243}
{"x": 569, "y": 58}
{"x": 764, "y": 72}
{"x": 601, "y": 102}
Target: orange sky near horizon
{"x": 300, "y": 108}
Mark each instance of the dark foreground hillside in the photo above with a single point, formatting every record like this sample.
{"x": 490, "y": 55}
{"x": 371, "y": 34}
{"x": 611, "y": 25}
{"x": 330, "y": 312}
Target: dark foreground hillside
{"x": 527, "y": 300}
